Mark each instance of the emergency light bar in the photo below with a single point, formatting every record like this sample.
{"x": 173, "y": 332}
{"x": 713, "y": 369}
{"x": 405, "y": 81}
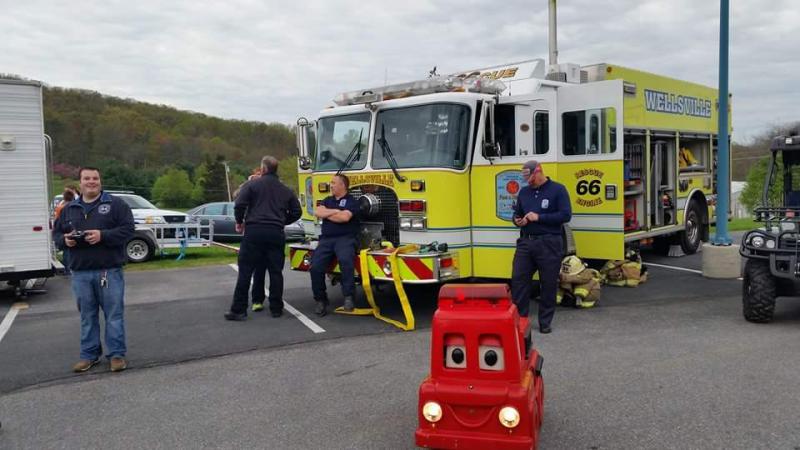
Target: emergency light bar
{"x": 477, "y": 84}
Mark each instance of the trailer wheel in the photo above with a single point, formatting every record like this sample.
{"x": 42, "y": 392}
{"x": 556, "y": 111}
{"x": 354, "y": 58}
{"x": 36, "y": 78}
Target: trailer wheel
{"x": 758, "y": 292}
{"x": 139, "y": 250}
{"x": 692, "y": 235}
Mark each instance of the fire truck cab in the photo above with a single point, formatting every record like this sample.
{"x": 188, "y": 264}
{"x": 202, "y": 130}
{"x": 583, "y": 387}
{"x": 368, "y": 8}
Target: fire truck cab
{"x": 485, "y": 386}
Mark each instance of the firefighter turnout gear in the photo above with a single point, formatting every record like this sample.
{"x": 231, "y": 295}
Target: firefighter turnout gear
{"x": 629, "y": 272}
{"x": 579, "y": 285}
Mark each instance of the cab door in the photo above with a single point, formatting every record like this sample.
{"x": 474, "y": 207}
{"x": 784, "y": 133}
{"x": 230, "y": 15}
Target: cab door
{"x": 306, "y": 150}
{"x": 514, "y": 130}
{"x": 590, "y": 165}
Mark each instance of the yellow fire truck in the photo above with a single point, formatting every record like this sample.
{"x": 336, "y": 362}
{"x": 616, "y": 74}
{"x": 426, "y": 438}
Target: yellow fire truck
{"x": 436, "y": 163}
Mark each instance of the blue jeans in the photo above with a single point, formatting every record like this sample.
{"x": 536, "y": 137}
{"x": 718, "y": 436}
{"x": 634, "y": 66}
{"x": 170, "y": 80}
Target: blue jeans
{"x": 91, "y": 296}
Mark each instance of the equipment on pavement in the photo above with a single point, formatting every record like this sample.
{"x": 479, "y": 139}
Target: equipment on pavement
{"x": 772, "y": 252}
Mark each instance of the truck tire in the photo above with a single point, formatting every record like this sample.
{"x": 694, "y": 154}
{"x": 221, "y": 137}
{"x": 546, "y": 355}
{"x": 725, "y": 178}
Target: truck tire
{"x": 758, "y": 292}
{"x": 138, "y": 250}
{"x": 692, "y": 235}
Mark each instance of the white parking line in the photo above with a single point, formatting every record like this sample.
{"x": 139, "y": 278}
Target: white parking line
{"x": 9, "y": 318}
{"x": 673, "y": 267}
{"x": 300, "y": 316}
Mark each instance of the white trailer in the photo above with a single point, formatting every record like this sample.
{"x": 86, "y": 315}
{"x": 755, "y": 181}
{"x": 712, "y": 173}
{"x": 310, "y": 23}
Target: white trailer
{"x": 26, "y": 250}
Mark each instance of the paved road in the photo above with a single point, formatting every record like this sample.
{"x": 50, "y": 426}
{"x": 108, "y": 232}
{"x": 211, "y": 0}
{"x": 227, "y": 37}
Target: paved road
{"x": 670, "y": 364}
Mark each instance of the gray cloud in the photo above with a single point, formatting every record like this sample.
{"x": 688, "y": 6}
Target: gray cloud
{"x": 275, "y": 60}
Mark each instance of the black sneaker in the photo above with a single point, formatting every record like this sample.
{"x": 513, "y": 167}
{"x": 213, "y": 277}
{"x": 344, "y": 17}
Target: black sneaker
{"x": 276, "y": 314}
{"x": 320, "y": 309}
{"x": 349, "y": 305}
{"x": 545, "y": 329}
{"x": 230, "y": 315}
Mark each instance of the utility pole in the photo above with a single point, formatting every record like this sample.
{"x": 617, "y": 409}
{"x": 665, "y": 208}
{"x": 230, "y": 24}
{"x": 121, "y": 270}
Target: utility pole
{"x": 227, "y": 179}
{"x": 723, "y": 152}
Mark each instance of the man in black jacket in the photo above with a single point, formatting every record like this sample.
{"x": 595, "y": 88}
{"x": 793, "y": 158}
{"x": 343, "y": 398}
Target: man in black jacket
{"x": 264, "y": 206}
{"x": 96, "y": 227}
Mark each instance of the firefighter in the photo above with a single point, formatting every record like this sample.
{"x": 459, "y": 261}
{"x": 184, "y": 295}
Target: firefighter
{"x": 579, "y": 285}
{"x": 629, "y": 272}
{"x": 542, "y": 207}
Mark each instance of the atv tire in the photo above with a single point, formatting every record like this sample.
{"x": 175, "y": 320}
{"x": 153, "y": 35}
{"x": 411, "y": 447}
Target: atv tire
{"x": 758, "y": 292}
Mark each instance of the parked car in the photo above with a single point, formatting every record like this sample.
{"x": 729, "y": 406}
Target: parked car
{"x": 221, "y": 213}
{"x": 146, "y": 212}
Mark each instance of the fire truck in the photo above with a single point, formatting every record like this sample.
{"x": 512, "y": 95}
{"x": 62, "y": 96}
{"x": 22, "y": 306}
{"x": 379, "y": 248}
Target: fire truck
{"x": 436, "y": 164}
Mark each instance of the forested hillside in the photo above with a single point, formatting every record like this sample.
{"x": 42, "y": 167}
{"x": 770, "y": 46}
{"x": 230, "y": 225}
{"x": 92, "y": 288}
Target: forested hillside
{"x": 135, "y": 143}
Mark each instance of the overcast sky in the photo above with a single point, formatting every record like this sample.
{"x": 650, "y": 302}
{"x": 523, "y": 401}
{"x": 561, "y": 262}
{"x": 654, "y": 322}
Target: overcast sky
{"x": 273, "y": 61}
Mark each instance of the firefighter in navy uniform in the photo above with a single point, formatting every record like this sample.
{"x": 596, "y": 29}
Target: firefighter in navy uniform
{"x": 541, "y": 208}
{"x": 339, "y": 214}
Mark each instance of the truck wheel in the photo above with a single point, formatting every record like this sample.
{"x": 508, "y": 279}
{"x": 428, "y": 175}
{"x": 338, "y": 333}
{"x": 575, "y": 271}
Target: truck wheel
{"x": 758, "y": 292}
{"x": 692, "y": 235}
{"x": 138, "y": 250}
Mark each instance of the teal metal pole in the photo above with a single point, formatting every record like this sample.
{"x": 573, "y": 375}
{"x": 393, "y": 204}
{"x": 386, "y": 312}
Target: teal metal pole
{"x": 723, "y": 152}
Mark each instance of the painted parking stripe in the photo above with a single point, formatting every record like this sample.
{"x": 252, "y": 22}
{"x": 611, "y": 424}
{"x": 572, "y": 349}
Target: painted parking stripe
{"x": 300, "y": 316}
{"x": 673, "y": 267}
{"x": 9, "y": 318}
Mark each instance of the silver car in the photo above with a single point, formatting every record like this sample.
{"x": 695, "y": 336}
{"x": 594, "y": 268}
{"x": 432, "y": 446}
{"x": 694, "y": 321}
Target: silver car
{"x": 221, "y": 213}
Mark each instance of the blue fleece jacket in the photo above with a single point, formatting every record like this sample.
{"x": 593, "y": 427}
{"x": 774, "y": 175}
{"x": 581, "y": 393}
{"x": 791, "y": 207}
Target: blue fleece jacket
{"x": 550, "y": 201}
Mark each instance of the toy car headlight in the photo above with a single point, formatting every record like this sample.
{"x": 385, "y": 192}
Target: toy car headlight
{"x": 509, "y": 417}
{"x": 432, "y": 412}
{"x": 757, "y": 241}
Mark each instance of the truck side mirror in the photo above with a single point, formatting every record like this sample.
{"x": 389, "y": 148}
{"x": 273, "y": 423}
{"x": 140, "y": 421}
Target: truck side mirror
{"x": 304, "y": 142}
{"x": 491, "y": 148}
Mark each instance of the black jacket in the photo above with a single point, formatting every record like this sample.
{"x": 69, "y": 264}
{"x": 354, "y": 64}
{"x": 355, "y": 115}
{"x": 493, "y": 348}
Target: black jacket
{"x": 112, "y": 217}
{"x": 268, "y": 202}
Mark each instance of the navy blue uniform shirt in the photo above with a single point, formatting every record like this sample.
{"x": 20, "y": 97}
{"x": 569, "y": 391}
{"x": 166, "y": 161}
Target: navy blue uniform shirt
{"x": 111, "y": 216}
{"x": 550, "y": 201}
{"x": 333, "y": 229}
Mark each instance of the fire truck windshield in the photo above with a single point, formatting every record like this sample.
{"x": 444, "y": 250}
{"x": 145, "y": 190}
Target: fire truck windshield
{"x": 338, "y": 135}
{"x": 434, "y": 135}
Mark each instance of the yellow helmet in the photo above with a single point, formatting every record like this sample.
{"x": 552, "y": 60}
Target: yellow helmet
{"x": 572, "y": 265}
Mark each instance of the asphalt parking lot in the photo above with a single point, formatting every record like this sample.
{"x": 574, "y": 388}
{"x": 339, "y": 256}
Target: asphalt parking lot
{"x": 670, "y": 364}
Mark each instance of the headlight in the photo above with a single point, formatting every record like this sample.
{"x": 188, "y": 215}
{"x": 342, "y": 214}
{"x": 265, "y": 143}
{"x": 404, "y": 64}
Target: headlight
{"x": 757, "y": 241}
{"x": 509, "y": 417}
{"x": 418, "y": 224}
{"x": 432, "y": 412}
{"x": 770, "y": 243}
{"x": 154, "y": 219}
{"x": 405, "y": 223}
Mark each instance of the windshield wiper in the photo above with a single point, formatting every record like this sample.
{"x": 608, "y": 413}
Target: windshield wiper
{"x": 387, "y": 153}
{"x": 355, "y": 154}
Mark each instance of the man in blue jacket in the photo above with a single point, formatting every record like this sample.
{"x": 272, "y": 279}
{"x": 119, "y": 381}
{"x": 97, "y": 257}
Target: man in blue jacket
{"x": 542, "y": 207}
{"x": 96, "y": 227}
{"x": 339, "y": 215}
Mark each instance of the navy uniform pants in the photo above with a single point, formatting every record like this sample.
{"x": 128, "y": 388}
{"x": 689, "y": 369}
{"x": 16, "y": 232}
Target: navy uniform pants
{"x": 262, "y": 250}
{"x": 344, "y": 248}
{"x": 543, "y": 254}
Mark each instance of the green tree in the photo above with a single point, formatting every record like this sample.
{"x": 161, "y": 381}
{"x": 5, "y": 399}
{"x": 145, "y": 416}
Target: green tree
{"x": 173, "y": 189}
{"x": 198, "y": 190}
{"x": 287, "y": 172}
{"x": 215, "y": 186}
{"x": 752, "y": 193}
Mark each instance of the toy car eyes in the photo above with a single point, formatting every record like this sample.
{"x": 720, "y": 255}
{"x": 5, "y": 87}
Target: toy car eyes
{"x": 491, "y": 357}
{"x": 455, "y": 357}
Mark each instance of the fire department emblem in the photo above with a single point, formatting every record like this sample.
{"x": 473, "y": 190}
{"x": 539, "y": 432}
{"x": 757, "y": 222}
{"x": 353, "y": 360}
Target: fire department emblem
{"x": 104, "y": 208}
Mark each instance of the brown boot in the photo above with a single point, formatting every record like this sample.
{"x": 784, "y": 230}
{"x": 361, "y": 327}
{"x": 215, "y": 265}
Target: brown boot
{"x": 118, "y": 364}
{"x": 84, "y": 365}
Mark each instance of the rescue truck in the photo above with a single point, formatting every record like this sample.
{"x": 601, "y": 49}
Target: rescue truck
{"x": 436, "y": 164}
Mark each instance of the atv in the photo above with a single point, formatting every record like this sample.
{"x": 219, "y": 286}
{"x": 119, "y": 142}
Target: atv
{"x": 772, "y": 252}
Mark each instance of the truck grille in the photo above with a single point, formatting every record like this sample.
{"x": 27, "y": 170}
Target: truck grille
{"x": 389, "y": 210}
{"x": 174, "y": 219}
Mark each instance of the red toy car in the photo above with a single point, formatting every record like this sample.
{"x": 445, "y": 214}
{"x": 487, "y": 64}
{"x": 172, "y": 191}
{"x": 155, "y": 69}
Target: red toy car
{"x": 485, "y": 388}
